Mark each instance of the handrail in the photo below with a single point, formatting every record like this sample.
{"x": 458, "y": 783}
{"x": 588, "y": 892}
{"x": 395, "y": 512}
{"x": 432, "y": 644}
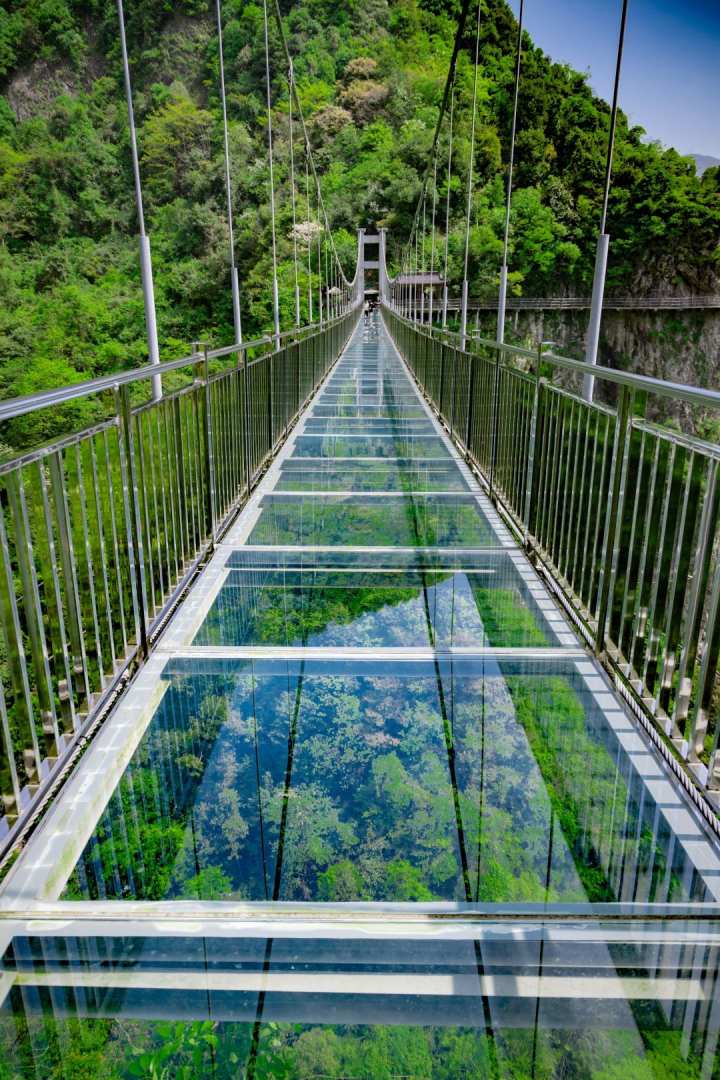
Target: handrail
{"x": 43, "y": 399}
{"x": 621, "y": 514}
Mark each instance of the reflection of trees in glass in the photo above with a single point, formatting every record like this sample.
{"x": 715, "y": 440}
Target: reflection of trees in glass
{"x": 55, "y": 1048}
{"x": 198, "y": 812}
{"x": 597, "y": 798}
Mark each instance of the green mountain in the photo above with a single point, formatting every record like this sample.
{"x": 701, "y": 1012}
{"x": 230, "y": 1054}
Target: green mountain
{"x": 704, "y": 161}
{"x": 371, "y": 76}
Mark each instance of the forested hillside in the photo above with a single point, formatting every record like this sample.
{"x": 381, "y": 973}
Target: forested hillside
{"x": 371, "y": 75}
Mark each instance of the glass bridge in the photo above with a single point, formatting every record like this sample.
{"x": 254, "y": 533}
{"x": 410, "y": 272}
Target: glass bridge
{"x": 369, "y": 810}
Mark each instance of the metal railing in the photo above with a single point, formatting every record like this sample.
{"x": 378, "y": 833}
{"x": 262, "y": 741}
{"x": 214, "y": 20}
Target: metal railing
{"x": 621, "y": 512}
{"x": 610, "y": 303}
{"x": 101, "y": 531}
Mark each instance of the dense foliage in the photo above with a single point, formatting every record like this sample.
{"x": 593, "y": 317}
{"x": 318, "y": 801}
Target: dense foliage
{"x": 370, "y": 77}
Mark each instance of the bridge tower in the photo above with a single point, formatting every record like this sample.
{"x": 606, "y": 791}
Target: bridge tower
{"x": 369, "y": 260}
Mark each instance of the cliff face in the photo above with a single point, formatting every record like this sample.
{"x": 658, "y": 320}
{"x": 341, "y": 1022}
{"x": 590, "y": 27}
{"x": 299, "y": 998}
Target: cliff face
{"x": 677, "y": 346}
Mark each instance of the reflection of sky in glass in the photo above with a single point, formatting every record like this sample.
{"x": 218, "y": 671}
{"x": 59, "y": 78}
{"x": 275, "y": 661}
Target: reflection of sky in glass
{"x": 413, "y": 609}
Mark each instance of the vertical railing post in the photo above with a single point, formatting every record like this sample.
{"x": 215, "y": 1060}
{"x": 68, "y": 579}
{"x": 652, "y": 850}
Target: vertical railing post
{"x": 270, "y": 402}
{"x": 532, "y": 441}
{"x": 208, "y": 449}
{"x": 618, "y": 474}
{"x": 443, "y": 350}
{"x": 247, "y": 421}
{"x": 495, "y": 420}
{"x": 124, "y": 412}
{"x": 471, "y": 403}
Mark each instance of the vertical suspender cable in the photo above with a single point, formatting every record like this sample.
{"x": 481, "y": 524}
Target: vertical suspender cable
{"x": 319, "y": 257}
{"x": 234, "y": 283}
{"x": 309, "y": 235}
{"x": 432, "y": 242}
{"x": 601, "y": 254}
{"x": 471, "y": 155}
{"x": 276, "y": 296}
{"x": 447, "y": 207}
{"x": 502, "y": 297}
{"x": 415, "y": 278}
{"x": 146, "y": 273}
{"x": 291, "y": 78}
{"x": 422, "y": 252}
{"x": 293, "y": 91}
{"x": 401, "y": 287}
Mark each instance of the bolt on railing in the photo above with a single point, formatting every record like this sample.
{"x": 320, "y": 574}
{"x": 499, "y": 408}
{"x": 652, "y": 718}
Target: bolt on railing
{"x": 101, "y": 531}
{"x": 622, "y": 513}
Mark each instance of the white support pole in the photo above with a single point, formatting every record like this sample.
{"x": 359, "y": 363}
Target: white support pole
{"x": 502, "y": 303}
{"x": 468, "y": 208}
{"x": 148, "y": 289}
{"x": 502, "y": 295}
{"x": 237, "y": 317}
{"x": 276, "y": 298}
{"x": 601, "y": 255}
{"x": 593, "y": 332}
{"x": 234, "y": 280}
{"x": 463, "y": 314}
{"x": 146, "y": 273}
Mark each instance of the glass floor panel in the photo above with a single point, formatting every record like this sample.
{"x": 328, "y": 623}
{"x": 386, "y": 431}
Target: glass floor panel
{"x": 368, "y": 411}
{"x": 359, "y": 426}
{"x": 365, "y": 521}
{"x": 385, "y": 446}
{"x": 246, "y": 558}
{"x": 542, "y": 1002}
{"x": 487, "y": 607}
{"x": 464, "y": 779}
{"x": 370, "y": 476}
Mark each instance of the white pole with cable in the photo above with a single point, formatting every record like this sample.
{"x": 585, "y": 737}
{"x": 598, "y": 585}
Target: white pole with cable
{"x": 291, "y": 78}
{"x": 432, "y": 242}
{"x": 447, "y": 206}
{"x": 234, "y": 282}
{"x": 276, "y": 295}
{"x": 502, "y": 298}
{"x": 471, "y": 155}
{"x": 601, "y": 255}
{"x": 146, "y": 272}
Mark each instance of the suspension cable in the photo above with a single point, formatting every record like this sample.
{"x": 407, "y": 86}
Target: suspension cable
{"x": 319, "y": 256}
{"x": 234, "y": 282}
{"x": 422, "y": 258}
{"x": 502, "y": 297}
{"x": 471, "y": 156}
{"x": 308, "y": 146}
{"x": 309, "y": 238}
{"x": 276, "y": 297}
{"x": 592, "y": 339}
{"x": 432, "y": 242}
{"x": 291, "y": 78}
{"x": 449, "y": 82}
{"x": 447, "y": 207}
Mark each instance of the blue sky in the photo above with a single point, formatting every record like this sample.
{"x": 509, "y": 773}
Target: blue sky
{"x": 671, "y": 71}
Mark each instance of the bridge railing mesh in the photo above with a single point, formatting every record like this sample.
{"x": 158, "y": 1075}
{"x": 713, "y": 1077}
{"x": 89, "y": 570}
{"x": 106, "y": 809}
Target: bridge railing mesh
{"x": 622, "y": 513}
{"x": 101, "y": 531}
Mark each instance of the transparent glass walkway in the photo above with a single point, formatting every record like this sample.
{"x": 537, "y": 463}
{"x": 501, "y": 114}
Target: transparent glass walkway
{"x": 369, "y": 810}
